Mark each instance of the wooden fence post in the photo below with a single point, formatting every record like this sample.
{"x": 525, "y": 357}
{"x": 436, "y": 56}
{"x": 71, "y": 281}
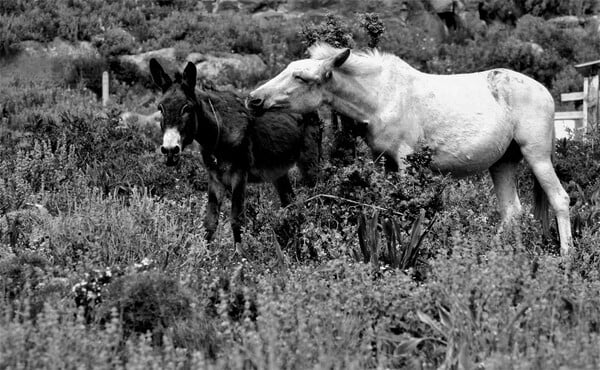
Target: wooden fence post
{"x": 588, "y": 118}
{"x": 104, "y": 88}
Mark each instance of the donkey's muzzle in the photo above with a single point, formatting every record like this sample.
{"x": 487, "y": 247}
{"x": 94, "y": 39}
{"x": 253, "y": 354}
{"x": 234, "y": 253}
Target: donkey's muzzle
{"x": 172, "y": 154}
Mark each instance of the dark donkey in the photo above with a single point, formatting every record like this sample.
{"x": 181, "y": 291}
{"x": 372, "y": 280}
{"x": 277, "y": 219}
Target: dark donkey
{"x": 236, "y": 146}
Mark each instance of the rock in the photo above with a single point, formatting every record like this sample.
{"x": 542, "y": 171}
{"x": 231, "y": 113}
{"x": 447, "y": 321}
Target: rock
{"x": 315, "y": 16}
{"x": 143, "y": 120}
{"x": 276, "y": 15}
{"x": 59, "y": 48}
{"x": 253, "y": 6}
{"x": 226, "y": 5}
{"x": 536, "y": 48}
{"x": 219, "y": 68}
{"x": 435, "y": 27}
{"x": 244, "y": 6}
{"x": 166, "y": 56}
{"x": 303, "y": 5}
{"x": 440, "y": 6}
{"x": 567, "y": 21}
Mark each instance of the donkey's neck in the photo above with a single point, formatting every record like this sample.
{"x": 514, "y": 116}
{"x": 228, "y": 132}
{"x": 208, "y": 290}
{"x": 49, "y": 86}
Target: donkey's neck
{"x": 208, "y": 128}
{"x": 352, "y": 97}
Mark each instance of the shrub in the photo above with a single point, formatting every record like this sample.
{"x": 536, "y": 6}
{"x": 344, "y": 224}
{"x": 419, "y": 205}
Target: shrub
{"x": 129, "y": 74}
{"x": 547, "y": 35}
{"x": 86, "y": 71}
{"x": 549, "y": 8}
{"x": 116, "y": 41}
{"x": 248, "y": 43}
{"x": 374, "y": 27}
{"x": 28, "y": 283}
{"x": 146, "y": 302}
{"x": 9, "y": 35}
{"x": 333, "y": 31}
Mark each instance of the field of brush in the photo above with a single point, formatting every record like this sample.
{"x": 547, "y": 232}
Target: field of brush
{"x": 103, "y": 262}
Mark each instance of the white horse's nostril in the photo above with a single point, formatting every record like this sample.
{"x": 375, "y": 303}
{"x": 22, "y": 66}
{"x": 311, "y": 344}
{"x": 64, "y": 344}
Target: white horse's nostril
{"x": 255, "y": 103}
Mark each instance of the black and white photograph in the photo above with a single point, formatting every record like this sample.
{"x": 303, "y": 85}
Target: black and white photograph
{"x": 299, "y": 184}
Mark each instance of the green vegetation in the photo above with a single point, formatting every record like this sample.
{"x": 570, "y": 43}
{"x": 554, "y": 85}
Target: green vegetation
{"x": 103, "y": 263}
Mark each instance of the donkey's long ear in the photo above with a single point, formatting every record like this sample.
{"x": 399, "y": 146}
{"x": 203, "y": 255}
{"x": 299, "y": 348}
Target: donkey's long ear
{"x": 160, "y": 78}
{"x": 189, "y": 75}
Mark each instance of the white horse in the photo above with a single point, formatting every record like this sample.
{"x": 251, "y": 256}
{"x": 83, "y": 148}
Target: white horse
{"x": 471, "y": 122}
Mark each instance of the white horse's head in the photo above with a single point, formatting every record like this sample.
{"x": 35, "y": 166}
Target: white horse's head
{"x": 300, "y": 87}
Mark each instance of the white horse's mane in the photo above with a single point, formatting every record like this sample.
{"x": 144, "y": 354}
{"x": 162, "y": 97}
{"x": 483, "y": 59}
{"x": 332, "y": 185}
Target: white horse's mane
{"x": 359, "y": 62}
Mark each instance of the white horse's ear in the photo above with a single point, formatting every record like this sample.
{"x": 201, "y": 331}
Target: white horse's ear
{"x": 335, "y": 62}
{"x": 339, "y": 59}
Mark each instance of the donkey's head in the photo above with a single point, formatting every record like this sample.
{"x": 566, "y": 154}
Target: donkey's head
{"x": 299, "y": 88}
{"x": 178, "y": 108}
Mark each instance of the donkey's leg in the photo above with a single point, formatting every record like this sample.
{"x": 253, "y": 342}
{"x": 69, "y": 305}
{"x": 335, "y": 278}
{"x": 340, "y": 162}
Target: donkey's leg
{"x": 284, "y": 188}
{"x": 558, "y": 197}
{"x": 390, "y": 164}
{"x": 311, "y": 148}
{"x": 238, "y": 198}
{"x": 213, "y": 207}
{"x": 505, "y": 185}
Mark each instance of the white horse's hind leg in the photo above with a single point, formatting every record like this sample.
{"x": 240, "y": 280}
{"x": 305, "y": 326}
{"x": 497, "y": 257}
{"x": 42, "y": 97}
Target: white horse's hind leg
{"x": 505, "y": 185}
{"x": 557, "y": 196}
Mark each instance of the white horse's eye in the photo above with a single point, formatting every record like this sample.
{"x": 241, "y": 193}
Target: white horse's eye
{"x": 301, "y": 79}
{"x": 161, "y": 109}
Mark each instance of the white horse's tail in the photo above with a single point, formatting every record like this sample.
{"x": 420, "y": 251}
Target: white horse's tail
{"x": 541, "y": 203}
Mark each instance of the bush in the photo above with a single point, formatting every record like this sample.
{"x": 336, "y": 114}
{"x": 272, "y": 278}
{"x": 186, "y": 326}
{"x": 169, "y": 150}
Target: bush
{"x": 248, "y": 43}
{"x": 28, "y": 283}
{"x": 146, "y": 302}
{"x": 86, "y": 71}
{"x": 333, "y": 31}
{"x": 116, "y": 41}
{"x": 9, "y": 36}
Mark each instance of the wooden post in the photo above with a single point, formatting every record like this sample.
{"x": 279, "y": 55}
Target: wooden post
{"x": 403, "y": 13}
{"x": 104, "y": 88}
{"x": 584, "y": 122}
{"x": 590, "y": 72}
{"x": 593, "y": 103}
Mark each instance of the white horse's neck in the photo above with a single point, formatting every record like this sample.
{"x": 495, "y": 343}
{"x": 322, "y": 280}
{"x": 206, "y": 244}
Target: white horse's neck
{"x": 361, "y": 95}
{"x": 352, "y": 97}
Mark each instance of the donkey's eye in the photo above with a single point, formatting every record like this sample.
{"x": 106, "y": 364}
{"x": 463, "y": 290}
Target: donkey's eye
{"x": 161, "y": 109}
{"x": 186, "y": 109}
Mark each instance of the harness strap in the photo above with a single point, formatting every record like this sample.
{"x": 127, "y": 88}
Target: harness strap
{"x": 212, "y": 108}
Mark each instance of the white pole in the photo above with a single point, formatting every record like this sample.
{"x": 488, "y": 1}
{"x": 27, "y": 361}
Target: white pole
{"x": 586, "y": 92}
{"x": 104, "y": 88}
